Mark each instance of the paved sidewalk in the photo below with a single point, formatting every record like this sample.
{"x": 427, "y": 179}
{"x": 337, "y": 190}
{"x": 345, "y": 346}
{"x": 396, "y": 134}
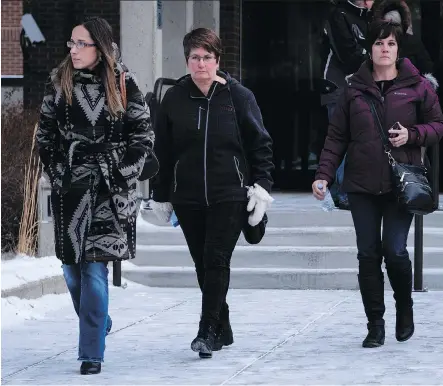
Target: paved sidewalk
{"x": 281, "y": 337}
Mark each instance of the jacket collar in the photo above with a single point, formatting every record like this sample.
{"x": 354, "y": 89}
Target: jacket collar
{"x": 194, "y": 92}
{"x": 363, "y": 79}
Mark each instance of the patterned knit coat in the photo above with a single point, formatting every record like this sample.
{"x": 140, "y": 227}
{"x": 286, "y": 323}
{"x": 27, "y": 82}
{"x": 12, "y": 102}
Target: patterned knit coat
{"x": 93, "y": 161}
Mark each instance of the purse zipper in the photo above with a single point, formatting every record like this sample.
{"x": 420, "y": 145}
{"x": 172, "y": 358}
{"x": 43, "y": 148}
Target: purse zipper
{"x": 239, "y": 173}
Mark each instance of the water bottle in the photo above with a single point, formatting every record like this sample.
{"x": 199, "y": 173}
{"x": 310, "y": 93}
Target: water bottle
{"x": 174, "y": 219}
{"x": 328, "y": 204}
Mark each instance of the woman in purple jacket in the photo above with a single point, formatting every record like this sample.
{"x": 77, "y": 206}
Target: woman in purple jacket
{"x": 400, "y": 95}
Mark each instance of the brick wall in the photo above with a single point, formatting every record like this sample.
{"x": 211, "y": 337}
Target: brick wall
{"x": 230, "y": 35}
{"x": 12, "y": 60}
{"x": 56, "y": 18}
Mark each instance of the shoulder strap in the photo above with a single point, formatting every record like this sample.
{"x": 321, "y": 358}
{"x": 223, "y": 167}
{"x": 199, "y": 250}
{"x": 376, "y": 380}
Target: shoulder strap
{"x": 236, "y": 110}
{"x": 381, "y": 132}
{"x": 123, "y": 89}
{"x": 240, "y": 139}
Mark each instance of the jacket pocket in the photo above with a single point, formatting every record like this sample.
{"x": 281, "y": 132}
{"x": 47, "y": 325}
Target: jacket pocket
{"x": 175, "y": 175}
{"x": 199, "y": 119}
{"x": 239, "y": 173}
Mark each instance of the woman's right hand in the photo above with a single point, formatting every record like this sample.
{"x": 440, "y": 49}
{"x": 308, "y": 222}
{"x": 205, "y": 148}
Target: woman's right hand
{"x": 319, "y": 188}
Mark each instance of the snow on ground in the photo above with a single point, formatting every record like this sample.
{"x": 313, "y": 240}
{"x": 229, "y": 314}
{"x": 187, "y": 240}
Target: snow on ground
{"x": 24, "y": 269}
{"x": 15, "y": 311}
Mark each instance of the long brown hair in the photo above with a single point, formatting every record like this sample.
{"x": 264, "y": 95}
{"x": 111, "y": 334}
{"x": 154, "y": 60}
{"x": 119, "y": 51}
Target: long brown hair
{"x": 101, "y": 34}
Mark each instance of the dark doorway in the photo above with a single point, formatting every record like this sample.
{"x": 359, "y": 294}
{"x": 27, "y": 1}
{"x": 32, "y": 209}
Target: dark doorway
{"x": 282, "y": 62}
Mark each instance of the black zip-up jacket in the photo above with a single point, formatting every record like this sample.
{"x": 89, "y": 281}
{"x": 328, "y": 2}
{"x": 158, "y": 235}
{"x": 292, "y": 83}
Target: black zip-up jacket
{"x": 199, "y": 147}
{"x": 346, "y": 30}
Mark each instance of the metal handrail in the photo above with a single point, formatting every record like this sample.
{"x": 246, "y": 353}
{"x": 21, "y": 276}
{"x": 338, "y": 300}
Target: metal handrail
{"x": 418, "y": 221}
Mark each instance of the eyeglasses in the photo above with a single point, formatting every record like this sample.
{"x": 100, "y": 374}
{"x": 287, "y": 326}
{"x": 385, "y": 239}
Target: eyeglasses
{"x": 79, "y": 45}
{"x": 206, "y": 58}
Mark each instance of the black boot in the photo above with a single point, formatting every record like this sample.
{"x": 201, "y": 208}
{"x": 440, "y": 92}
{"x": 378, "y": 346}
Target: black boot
{"x": 400, "y": 277}
{"x": 89, "y": 368}
{"x": 204, "y": 341}
{"x": 223, "y": 333}
{"x": 371, "y": 284}
{"x": 376, "y": 335}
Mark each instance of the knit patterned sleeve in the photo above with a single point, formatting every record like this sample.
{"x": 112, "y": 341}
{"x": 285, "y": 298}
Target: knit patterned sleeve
{"x": 139, "y": 131}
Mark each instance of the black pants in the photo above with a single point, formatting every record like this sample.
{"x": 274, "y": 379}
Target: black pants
{"x": 368, "y": 212}
{"x": 211, "y": 234}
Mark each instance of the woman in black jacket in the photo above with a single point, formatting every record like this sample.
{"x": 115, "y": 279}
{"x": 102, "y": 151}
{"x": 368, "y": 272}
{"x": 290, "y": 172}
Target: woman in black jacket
{"x": 215, "y": 156}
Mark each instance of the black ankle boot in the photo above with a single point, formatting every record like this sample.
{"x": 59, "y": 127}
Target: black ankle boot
{"x": 204, "y": 341}
{"x": 89, "y": 368}
{"x": 404, "y": 325}
{"x": 223, "y": 336}
{"x": 400, "y": 276}
{"x": 376, "y": 335}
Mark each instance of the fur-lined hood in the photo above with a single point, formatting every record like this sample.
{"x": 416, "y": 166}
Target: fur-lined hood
{"x": 432, "y": 80}
{"x": 398, "y": 7}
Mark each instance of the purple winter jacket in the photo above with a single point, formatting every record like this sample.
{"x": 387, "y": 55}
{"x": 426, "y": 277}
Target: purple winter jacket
{"x": 411, "y": 100}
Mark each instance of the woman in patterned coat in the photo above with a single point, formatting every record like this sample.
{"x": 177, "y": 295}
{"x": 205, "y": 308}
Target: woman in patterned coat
{"x": 93, "y": 151}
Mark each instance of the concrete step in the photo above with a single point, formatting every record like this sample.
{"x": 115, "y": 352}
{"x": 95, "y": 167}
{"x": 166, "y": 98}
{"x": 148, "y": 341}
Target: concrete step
{"x": 299, "y": 217}
{"x": 307, "y": 236}
{"x": 306, "y": 257}
{"x": 266, "y": 278}
{"x": 337, "y": 218}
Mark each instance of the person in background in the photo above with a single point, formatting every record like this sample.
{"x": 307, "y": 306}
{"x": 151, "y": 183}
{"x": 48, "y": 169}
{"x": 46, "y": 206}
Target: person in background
{"x": 345, "y": 31}
{"x": 93, "y": 151}
{"x": 412, "y": 48}
{"x": 397, "y": 90}
{"x": 215, "y": 160}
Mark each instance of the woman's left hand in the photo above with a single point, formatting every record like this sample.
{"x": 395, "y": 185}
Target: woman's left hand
{"x": 401, "y": 136}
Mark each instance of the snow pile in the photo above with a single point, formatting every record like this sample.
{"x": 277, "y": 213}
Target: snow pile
{"x": 24, "y": 269}
{"x": 16, "y": 311}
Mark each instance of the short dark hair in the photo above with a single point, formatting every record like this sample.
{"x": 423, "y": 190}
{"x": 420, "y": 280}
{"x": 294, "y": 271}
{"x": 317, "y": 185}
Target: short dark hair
{"x": 202, "y": 38}
{"x": 381, "y": 29}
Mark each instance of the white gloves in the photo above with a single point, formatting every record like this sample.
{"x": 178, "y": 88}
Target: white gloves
{"x": 259, "y": 203}
{"x": 163, "y": 210}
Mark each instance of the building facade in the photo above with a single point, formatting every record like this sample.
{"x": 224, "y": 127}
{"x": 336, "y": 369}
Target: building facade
{"x": 273, "y": 47}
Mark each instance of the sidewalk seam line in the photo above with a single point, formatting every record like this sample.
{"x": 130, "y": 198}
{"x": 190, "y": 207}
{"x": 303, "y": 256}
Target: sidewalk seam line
{"x": 283, "y": 342}
{"x": 112, "y": 333}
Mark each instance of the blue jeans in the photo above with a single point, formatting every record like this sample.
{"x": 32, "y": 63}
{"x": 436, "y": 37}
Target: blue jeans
{"x": 88, "y": 286}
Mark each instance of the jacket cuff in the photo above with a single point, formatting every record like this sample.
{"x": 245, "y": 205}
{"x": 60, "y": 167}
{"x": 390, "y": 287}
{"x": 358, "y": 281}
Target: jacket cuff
{"x": 321, "y": 176}
{"x": 265, "y": 184}
{"x": 412, "y": 136}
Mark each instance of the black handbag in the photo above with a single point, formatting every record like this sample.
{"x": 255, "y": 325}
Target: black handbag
{"x": 150, "y": 167}
{"x": 252, "y": 234}
{"x": 411, "y": 184}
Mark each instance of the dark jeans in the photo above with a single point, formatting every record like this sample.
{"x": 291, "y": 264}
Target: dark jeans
{"x": 88, "y": 286}
{"x": 211, "y": 234}
{"x": 373, "y": 244}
